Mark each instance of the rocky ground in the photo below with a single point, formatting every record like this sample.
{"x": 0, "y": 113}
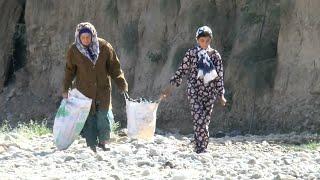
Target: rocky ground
{"x": 170, "y": 156}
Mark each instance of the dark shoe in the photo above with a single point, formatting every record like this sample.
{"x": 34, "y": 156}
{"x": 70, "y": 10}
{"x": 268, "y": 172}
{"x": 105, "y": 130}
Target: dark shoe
{"x": 103, "y": 147}
{"x": 93, "y": 148}
{"x": 200, "y": 150}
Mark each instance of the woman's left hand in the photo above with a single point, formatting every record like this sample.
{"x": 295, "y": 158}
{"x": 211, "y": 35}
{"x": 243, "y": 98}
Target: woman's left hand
{"x": 166, "y": 92}
{"x": 223, "y": 100}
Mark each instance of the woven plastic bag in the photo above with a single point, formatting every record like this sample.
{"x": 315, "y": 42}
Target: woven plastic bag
{"x": 141, "y": 118}
{"x": 70, "y": 118}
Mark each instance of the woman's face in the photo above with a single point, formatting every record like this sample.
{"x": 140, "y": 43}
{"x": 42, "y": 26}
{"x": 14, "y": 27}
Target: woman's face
{"x": 85, "y": 39}
{"x": 204, "y": 42}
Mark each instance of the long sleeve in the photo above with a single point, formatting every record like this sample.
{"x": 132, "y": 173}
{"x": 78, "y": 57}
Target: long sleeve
{"x": 182, "y": 70}
{"x": 116, "y": 73}
{"x": 70, "y": 71}
{"x": 219, "y": 84}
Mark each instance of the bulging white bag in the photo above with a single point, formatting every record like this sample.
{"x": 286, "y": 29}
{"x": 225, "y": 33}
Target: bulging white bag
{"x": 141, "y": 118}
{"x": 70, "y": 118}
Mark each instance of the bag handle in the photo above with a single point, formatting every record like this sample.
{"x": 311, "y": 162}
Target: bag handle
{"x": 158, "y": 101}
{"x": 127, "y": 97}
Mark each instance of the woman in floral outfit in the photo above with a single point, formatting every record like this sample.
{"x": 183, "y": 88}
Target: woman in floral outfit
{"x": 204, "y": 68}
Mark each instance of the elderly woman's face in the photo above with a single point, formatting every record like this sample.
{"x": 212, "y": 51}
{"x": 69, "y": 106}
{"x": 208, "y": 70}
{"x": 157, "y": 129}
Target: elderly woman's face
{"x": 204, "y": 42}
{"x": 85, "y": 39}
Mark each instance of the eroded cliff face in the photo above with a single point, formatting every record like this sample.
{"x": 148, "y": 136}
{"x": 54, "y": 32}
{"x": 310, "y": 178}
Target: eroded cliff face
{"x": 296, "y": 88}
{"x": 269, "y": 50}
{"x": 11, "y": 11}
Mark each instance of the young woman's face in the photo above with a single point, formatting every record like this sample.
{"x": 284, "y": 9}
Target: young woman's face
{"x": 85, "y": 39}
{"x": 204, "y": 42}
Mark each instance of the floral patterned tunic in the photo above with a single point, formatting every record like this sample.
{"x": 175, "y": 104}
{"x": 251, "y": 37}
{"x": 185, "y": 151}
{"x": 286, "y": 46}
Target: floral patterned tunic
{"x": 200, "y": 95}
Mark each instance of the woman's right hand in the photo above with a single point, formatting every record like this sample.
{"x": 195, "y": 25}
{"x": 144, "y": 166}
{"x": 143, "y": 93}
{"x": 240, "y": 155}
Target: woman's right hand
{"x": 65, "y": 95}
{"x": 166, "y": 92}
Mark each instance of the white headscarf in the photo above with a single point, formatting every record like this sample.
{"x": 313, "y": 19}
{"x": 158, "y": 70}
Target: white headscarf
{"x": 93, "y": 48}
{"x": 206, "y": 69}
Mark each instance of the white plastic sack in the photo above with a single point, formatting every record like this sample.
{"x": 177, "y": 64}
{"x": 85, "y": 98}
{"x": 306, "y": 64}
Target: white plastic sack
{"x": 70, "y": 118}
{"x": 141, "y": 119}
